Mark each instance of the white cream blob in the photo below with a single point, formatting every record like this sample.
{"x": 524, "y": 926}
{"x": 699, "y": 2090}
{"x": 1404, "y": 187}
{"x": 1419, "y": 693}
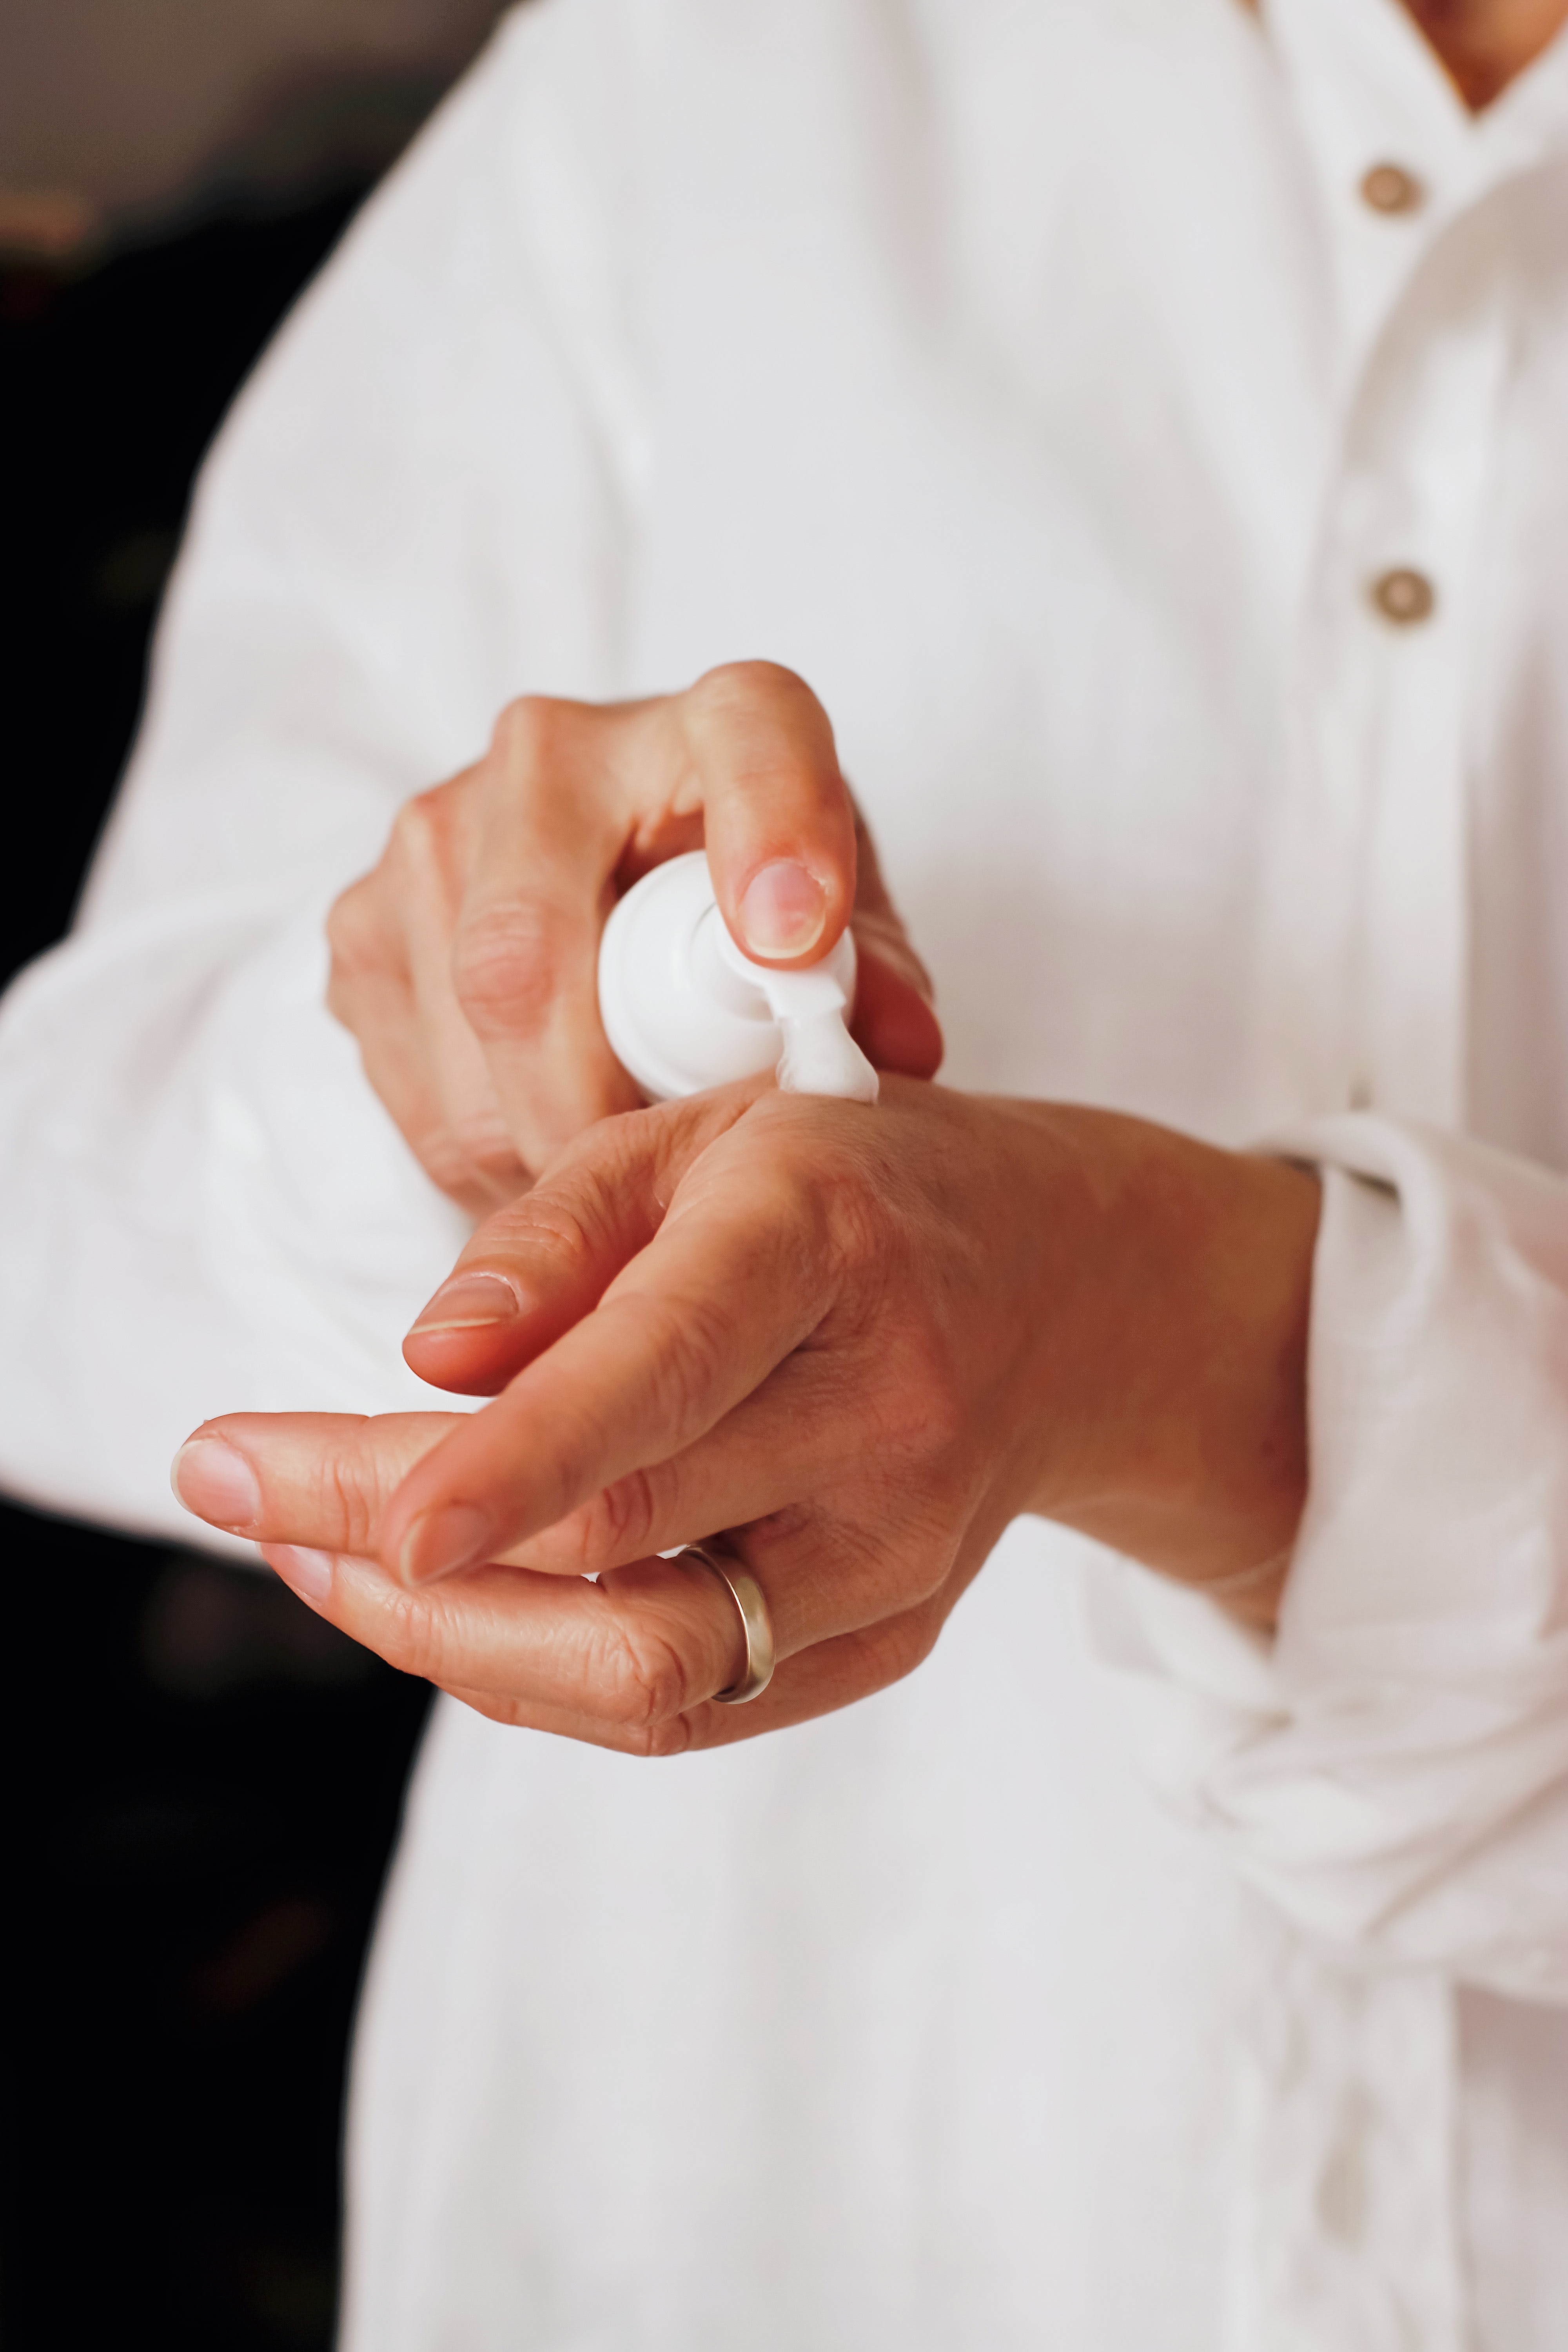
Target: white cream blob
{"x": 685, "y": 1009}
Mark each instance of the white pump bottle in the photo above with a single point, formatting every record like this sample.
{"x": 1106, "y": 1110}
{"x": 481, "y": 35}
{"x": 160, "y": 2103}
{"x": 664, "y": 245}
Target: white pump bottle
{"x": 684, "y": 1010}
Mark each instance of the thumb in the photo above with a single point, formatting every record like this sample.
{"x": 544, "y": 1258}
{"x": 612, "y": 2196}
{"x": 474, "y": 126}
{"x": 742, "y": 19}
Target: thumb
{"x": 778, "y": 821}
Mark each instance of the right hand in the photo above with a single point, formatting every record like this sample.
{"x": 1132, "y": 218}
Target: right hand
{"x": 852, "y": 1345}
{"x": 465, "y": 962}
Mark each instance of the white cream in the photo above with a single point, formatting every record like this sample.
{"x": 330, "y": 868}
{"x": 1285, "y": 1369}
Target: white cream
{"x": 811, "y": 1009}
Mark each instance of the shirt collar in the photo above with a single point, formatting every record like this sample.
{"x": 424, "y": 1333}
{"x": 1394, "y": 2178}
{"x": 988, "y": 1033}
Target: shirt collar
{"x": 1376, "y": 110}
{"x": 1370, "y": 89}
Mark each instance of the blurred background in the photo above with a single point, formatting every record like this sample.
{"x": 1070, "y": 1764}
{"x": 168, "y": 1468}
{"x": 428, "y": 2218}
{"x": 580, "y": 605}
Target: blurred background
{"x": 205, "y": 1779}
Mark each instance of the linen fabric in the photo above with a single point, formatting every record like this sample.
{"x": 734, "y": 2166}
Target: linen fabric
{"x": 1035, "y": 379}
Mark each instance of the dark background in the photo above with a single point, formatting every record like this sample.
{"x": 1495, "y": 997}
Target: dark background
{"x": 204, "y": 1779}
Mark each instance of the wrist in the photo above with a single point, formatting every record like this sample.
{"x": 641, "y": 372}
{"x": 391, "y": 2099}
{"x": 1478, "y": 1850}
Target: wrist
{"x": 1171, "y": 1395}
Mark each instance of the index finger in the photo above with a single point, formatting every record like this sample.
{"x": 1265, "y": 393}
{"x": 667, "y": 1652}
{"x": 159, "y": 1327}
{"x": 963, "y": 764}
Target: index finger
{"x": 778, "y": 822}
{"x": 733, "y": 1281}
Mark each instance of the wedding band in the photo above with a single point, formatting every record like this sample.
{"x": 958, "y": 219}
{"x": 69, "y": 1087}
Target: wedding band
{"x": 747, "y": 1595}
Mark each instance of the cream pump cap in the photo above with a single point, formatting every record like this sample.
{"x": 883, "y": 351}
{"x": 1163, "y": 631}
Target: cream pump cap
{"x": 684, "y": 1010}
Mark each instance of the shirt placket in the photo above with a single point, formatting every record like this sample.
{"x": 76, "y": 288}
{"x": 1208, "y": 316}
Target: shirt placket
{"x": 1372, "y": 893}
{"x": 1402, "y": 176}
{"x": 1390, "y": 632}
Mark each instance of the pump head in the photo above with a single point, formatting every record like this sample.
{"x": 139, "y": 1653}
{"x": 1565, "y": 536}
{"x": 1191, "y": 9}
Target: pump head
{"x": 684, "y": 1010}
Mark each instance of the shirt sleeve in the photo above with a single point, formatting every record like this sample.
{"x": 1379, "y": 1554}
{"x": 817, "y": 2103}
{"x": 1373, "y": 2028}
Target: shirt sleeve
{"x": 416, "y": 510}
{"x": 1392, "y": 1770}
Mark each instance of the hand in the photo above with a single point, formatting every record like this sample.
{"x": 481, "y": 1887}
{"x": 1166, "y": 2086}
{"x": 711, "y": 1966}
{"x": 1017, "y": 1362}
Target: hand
{"x": 862, "y": 1340}
{"x": 465, "y": 963}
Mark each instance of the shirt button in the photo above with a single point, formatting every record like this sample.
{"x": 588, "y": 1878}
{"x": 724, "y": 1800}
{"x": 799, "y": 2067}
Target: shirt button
{"x": 1403, "y": 597}
{"x": 1390, "y": 188}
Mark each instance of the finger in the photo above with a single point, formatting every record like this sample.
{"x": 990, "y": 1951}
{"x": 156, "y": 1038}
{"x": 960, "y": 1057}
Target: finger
{"x": 551, "y": 827}
{"x": 326, "y": 1479}
{"x": 391, "y": 986}
{"x": 845, "y": 1667}
{"x": 622, "y": 1662}
{"x": 846, "y": 1527}
{"x": 878, "y": 921}
{"x": 832, "y": 1674}
{"x": 895, "y": 1023}
{"x": 777, "y": 1458}
{"x": 379, "y": 1011}
{"x": 737, "y": 1275}
{"x": 631, "y": 1663}
{"x": 532, "y": 1272}
{"x": 321, "y": 1479}
{"x": 778, "y": 822}
{"x": 431, "y": 852}
{"x": 323, "y": 1483}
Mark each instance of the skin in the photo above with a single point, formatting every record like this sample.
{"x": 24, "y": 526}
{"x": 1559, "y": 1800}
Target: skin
{"x": 855, "y": 1343}
{"x": 465, "y": 963}
{"x": 858, "y": 1343}
{"x": 1484, "y": 45}
{"x": 861, "y": 1340}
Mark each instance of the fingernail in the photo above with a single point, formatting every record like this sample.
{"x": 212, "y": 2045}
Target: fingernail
{"x": 468, "y": 1303}
{"x": 784, "y": 912}
{"x": 308, "y": 1573}
{"x": 441, "y": 1542}
{"x": 216, "y": 1483}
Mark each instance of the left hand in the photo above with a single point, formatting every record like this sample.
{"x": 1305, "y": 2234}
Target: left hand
{"x": 465, "y": 963}
{"x": 859, "y": 1340}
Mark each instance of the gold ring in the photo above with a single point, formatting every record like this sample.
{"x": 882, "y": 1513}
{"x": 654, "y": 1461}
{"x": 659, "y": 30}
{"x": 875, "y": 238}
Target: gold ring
{"x": 747, "y": 1595}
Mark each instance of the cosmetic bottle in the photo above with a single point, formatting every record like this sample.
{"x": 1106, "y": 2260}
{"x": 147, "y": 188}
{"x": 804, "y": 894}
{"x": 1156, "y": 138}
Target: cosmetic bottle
{"x": 685, "y": 1009}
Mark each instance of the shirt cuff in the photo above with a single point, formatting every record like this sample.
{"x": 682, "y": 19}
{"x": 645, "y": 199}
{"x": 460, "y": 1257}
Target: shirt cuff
{"x": 1392, "y": 1770}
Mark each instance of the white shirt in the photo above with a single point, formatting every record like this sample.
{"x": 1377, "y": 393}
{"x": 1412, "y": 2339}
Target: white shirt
{"x": 1032, "y": 376}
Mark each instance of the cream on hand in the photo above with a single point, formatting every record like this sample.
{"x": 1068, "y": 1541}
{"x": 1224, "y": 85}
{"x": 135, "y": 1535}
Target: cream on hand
{"x": 684, "y": 1010}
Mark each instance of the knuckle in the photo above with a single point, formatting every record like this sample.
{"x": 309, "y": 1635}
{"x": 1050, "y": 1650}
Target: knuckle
{"x": 349, "y": 1500}
{"x": 571, "y": 1218}
{"x": 342, "y": 998}
{"x": 645, "y": 1682}
{"x": 619, "y": 1524}
{"x": 420, "y": 824}
{"x": 911, "y": 1639}
{"x": 657, "y": 1739}
{"x": 422, "y": 1640}
{"x": 919, "y": 1432}
{"x": 925, "y": 1411}
{"x": 532, "y": 731}
{"x": 567, "y": 1226}
{"x": 853, "y": 1216}
{"x": 477, "y": 1139}
{"x": 893, "y": 1650}
{"x": 354, "y": 931}
{"x": 441, "y": 1155}
{"x": 506, "y": 965}
{"x": 730, "y": 683}
{"x": 926, "y": 1580}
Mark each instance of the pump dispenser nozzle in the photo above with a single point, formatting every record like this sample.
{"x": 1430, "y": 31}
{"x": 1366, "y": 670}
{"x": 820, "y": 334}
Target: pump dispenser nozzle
{"x": 684, "y": 1010}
